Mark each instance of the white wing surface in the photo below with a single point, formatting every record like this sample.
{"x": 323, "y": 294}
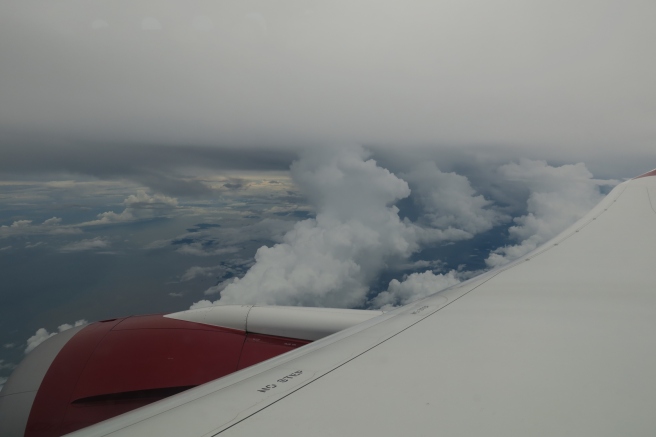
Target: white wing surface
{"x": 561, "y": 342}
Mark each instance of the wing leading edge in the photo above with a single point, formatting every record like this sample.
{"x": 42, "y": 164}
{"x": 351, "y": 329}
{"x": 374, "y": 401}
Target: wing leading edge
{"x": 558, "y": 342}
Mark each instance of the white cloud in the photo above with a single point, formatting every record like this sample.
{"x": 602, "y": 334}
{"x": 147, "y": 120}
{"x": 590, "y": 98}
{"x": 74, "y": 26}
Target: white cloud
{"x": 42, "y": 334}
{"x": 30, "y": 245}
{"x": 39, "y": 337}
{"x": 449, "y": 202}
{"x": 9, "y": 345}
{"x": 51, "y": 226}
{"x": 138, "y": 206}
{"x": 88, "y": 244}
{"x": 343, "y": 183}
{"x": 5, "y": 248}
{"x": 2, "y": 382}
{"x": 201, "y": 304}
{"x": 53, "y": 221}
{"x": 66, "y": 326}
{"x": 143, "y": 200}
{"x": 413, "y": 287}
{"x": 21, "y": 224}
{"x": 330, "y": 260}
{"x": 216, "y": 289}
{"x": 558, "y": 197}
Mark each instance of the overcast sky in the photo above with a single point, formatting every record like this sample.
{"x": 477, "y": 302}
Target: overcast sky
{"x": 556, "y": 80}
{"x": 156, "y": 155}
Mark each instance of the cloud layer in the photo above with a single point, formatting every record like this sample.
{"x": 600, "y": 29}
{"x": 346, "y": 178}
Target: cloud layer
{"x": 449, "y": 202}
{"x": 138, "y": 206}
{"x": 331, "y": 260}
{"x": 414, "y": 287}
{"x": 97, "y": 243}
{"x": 523, "y": 74}
{"x": 51, "y": 226}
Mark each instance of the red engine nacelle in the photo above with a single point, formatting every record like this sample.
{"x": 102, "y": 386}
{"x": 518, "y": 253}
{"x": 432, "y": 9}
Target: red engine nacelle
{"x": 86, "y": 375}
{"x": 114, "y": 366}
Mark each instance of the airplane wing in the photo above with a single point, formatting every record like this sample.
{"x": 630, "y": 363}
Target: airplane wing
{"x": 560, "y": 342}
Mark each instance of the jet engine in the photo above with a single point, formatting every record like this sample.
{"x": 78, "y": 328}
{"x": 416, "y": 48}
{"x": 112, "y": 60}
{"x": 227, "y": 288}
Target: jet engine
{"x": 89, "y": 374}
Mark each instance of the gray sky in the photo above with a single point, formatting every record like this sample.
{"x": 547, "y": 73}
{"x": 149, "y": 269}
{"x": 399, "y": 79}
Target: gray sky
{"x": 557, "y": 80}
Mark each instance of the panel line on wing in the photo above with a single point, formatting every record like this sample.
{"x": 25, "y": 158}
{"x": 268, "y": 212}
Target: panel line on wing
{"x": 316, "y": 378}
{"x": 651, "y": 202}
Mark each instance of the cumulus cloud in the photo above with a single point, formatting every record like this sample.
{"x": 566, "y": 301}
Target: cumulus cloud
{"x": 51, "y": 226}
{"x": 39, "y": 337}
{"x": 558, "y": 197}
{"x": 218, "y": 288}
{"x": 21, "y": 224}
{"x": 201, "y": 304}
{"x": 42, "y": 334}
{"x": 53, "y": 221}
{"x": 138, "y": 206}
{"x": 66, "y": 326}
{"x": 449, "y": 202}
{"x": 330, "y": 260}
{"x": 413, "y": 287}
{"x": 88, "y": 244}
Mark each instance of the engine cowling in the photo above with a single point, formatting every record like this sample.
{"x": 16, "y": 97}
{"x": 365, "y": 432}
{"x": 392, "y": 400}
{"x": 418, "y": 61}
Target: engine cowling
{"x": 89, "y": 374}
